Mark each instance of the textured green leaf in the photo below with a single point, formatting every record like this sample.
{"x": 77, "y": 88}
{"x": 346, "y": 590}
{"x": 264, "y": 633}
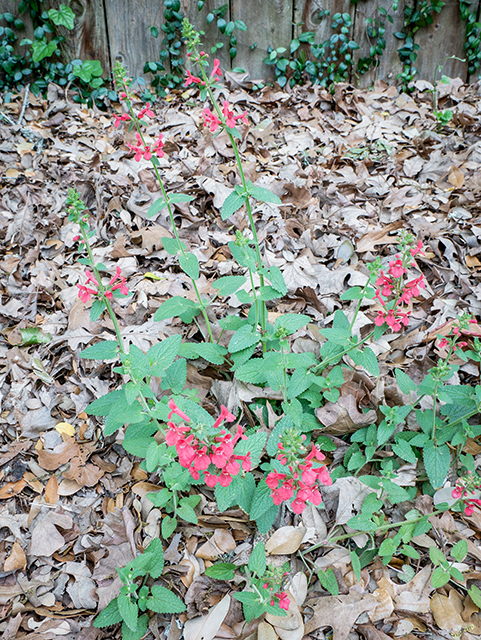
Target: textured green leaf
{"x": 257, "y": 561}
{"x": 176, "y": 306}
{"x": 328, "y": 581}
{"x": 64, "y": 17}
{"x": 128, "y": 610}
{"x": 439, "y": 578}
{"x": 437, "y": 461}
{"x": 190, "y": 265}
{"x": 221, "y": 571}
{"x": 254, "y": 445}
{"x": 243, "y": 338}
{"x": 214, "y": 353}
{"x": 164, "y": 601}
{"x": 291, "y": 322}
{"x": 232, "y": 203}
{"x": 168, "y": 526}
{"x": 175, "y": 376}
{"x": 404, "y": 450}
{"x": 161, "y": 355}
{"x": 404, "y": 381}
{"x": 366, "y": 359}
{"x": 186, "y": 512}
{"x": 460, "y": 550}
{"x": 105, "y": 350}
{"x": 227, "y": 285}
{"x": 108, "y": 616}
{"x": 264, "y": 195}
{"x": 262, "y": 500}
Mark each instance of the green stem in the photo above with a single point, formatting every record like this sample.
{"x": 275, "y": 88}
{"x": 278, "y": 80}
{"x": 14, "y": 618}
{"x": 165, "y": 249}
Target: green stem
{"x": 326, "y": 362}
{"x": 172, "y": 220}
{"x": 256, "y": 299}
{"x": 244, "y": 184}
{"x": 284, "y": 370}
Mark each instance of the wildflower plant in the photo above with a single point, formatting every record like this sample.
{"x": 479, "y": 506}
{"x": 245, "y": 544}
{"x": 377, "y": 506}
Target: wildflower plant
{"x": 259, "y": 470}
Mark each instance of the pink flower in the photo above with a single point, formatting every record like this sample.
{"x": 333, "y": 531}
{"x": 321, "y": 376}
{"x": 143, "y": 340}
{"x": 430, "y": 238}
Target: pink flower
{"x": 417, "y": 249}
{"x": 192, "y": 79}
{"x": 379, "y": 320}
{"x": 175, "y": 409}
{"x": 90, "y": 278}
{"x": 284, "y": 601}
{"x": 146, "y": 111}
{"x": 210, "y": 479}
{"x": 211, "y": 120}
{"x": 144, "y": 150}
{"x": 468, "y": 511}
{"x": 85, "y": 293}
{"x": 118, "y": 119}
{"x": 75, "y": 238}
{"x": 298, "y": 505}
{"x": 396, "y": 269}
{"x": 216, "y": 70}
{"x": 120, "y": 285}
{"x": 385, "y": 284}
{"x": 229, "y": 116}
{"x": 273, "y": 479}
{"x": 224, "y": 415}
{"x": 443, "y": 343}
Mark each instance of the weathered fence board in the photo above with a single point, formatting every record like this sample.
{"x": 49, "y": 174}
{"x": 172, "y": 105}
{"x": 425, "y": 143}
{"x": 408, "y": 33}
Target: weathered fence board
{"x": 445, "y": 37}
{"x": 129, "y": 38}
{"x": 269, "y": 24}
{"x": 110, "y": 30}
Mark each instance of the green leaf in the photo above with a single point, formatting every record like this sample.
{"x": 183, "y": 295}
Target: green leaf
{"x": 34, "y": 335}
{"x": 64, "y": 16}
{"x": 277, "y": 280}
{"x": 173, "y": 198}
{"x": 404, "y": 381}
{"x": 437, "y": 461}
{"x": 42, "y": 49}
{"x": 139, "y": 633}
{"x": 264, "y": 195}
{"x": 162, "y": 354}
{"x": 164, "y": 601}
{"x": 159, "y": 498}
{"x": 108, "y": 616}
{"x": 291, "y": 322}
{"x": 213, "y": 353}
{"x": 190, "y": 265}
{"x": 228, "y": 285}
{"x": 366, "y": 359}
{"x": 177, "y": 306}
{"x": 410, "y": 552}
{"x": 328, "y": 581}
{"x": 186, "y": 512}
{"x": 440, "y": 577}
{"x": 460, "y": 550}
{"x": 265, "y": 521}
{"x": 172, "y": 246}
{"x": 354, "y": 293}
{"x": 356, "y": 565}
{"x": 168, "y": 526}
{"x": 395, "y": 492}
{"x": 155, "y": 557}
{"x": 175, "y": 376}
{"x": 437, "y": 556}
{"x": 389, "y": 547}
{"x": 105, "y": 350}
{"x": 262, "y": 500}
{"x": 243, "y": 338}
{"x": 404, "y": 450}
{"x": 257, "y": 562}
{"x": 128, "y": 610}
{"x": 475, "y": 595}
{"x": 98, "y": 307}
{"x": 221, "y": 571}
{"x": 232, "y": 203}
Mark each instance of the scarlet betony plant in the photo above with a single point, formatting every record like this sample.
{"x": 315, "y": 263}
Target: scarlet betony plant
{"x": 187, "y": 450}
{"x": 467, "y": 491}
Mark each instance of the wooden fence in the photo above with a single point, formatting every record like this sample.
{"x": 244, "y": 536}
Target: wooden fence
{"x": 110, "y": 30}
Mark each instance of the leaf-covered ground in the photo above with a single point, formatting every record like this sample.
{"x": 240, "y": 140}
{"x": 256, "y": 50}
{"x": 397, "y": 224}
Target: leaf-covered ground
{"x": 351, "y": 169}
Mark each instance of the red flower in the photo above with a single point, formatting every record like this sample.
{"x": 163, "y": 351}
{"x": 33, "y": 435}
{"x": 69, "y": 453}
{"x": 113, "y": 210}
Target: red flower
{"x": 284, "y": 601}
{"x": 85, "y": 293}
{"x": 229, "y": 116}
{"x": 119, "y": 119}
{"x": 417, "y": 249}
{"x": 396, "y": 268}
{"x": 211, "y": 120}
{"x": 216, "y": 70}
{"x": 192, "y": 79}
{"x": 146, "y": 111}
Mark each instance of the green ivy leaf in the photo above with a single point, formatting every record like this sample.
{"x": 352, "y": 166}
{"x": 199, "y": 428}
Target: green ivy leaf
{"x": 42, "y": 49}
{"x": 64, "y": 17}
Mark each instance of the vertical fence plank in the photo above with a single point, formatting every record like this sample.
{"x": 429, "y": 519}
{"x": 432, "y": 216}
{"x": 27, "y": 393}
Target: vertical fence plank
{"x": 269, "y": 23}
{"x": 88, "y": 40}
{"x": 445, "y": 37}
{"x": 130, "y": 41}
{"x": 389, "y": 64}
{"x": 307, "y": 12}
{"x": 212, "y": 34}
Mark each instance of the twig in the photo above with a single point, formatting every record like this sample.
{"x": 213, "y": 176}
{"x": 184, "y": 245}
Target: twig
{"x": 24, "y": 106}
{"x": 7, "y": 118}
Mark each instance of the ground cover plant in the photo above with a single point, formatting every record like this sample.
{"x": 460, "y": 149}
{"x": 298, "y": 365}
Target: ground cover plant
{"x": 241, "y": 362}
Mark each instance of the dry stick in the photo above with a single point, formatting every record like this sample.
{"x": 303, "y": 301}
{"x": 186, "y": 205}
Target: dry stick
{"x": 7, "y": 118}
{"x": 24, "y": 106}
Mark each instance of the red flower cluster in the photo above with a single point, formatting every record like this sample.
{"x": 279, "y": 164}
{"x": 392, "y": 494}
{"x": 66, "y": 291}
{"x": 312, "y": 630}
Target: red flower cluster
{"x": 464, "y": 487}
{"x": 214, "y": 455}
{"x": 213, "y": 122}
{"x": 386, "y": 284}
{"x": 118, "y": 119}
{"x": 301, "y": 481}
{"x": 85, "y": 292}
{"x": 145, "y": 150}
{"x": 284, "y": 601}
